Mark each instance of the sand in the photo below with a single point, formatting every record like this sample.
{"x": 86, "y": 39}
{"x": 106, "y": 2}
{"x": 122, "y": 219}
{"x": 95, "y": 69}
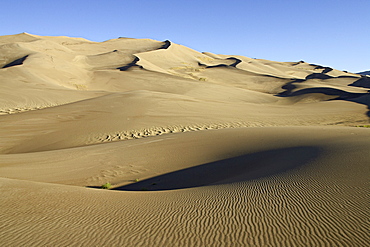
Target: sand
{"x": 201, "y": 149}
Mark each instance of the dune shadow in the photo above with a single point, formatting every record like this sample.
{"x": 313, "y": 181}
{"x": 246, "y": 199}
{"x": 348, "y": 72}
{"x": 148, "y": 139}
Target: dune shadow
{"x": 130, "y": 65}
{"x": 16, "y": 62}
{"x": 94, "y": 187}
{"x": 165, "y": 45}
{"x": 237, "y": 169}
{"x": 289, "y": 87}
{"x": 360, "y": 98}
{"x": 364, "y": 82}
{"x": 321, "y": 76}
{"x": 237, "y": 61}
{"x": 341, "y": 94}
{"x": 233, "y": 65}
{"x": 325, "y": 69}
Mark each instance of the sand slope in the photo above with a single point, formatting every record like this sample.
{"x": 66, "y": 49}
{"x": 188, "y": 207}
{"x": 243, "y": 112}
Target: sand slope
{"x": 202, "y": 149}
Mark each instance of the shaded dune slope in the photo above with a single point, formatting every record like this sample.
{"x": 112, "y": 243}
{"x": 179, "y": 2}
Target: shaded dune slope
{"x": 232, "y": 170}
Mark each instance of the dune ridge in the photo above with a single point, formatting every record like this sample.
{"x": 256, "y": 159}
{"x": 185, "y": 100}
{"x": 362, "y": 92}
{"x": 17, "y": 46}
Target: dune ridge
{"x": 201, "y": 149}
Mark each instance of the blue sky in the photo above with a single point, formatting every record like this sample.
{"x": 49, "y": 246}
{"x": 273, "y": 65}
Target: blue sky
{"x": 328, "y": 32}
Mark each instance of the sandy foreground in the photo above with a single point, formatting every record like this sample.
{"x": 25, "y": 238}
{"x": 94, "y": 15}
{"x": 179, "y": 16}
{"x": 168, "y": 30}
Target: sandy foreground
{"x": 201, "y": 149}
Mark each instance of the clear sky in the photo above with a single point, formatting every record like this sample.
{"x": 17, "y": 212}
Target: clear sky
{"x": 333, "y": 33}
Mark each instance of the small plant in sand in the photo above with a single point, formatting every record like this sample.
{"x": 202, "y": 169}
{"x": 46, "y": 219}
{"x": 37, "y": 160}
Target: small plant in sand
{"x": 364, "y": 126}
{"x": 106, "y": 186}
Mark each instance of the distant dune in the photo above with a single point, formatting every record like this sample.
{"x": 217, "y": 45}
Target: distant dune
{"x": 364, "y": 73}
{"x": 201, "y": 149}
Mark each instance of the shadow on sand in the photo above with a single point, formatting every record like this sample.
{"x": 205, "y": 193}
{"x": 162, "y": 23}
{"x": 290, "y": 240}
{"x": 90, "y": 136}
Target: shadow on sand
{"x": 130, "y": 65}
{"x": 361, "y": 98}
{"x": 126, "y": 67}
{"x": 16, "y": 62}
{"x": 233, "y": 65}
{"x": 364, "y": 82}
{"x": 237, "y": 169}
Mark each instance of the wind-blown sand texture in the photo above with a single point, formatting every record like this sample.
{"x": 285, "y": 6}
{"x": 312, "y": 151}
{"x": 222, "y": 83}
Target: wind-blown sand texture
{"x": 201, "y": 149}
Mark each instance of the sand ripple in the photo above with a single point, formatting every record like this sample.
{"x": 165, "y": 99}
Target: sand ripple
{"x": 323, "y": 202}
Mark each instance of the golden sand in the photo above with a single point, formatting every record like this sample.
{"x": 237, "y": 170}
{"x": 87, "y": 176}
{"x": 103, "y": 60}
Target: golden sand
{"x": 201, "y": 149}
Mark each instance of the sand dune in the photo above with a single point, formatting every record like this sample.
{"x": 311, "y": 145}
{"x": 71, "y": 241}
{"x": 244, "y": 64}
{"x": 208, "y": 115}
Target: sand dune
{"x": 201, "y": 149}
